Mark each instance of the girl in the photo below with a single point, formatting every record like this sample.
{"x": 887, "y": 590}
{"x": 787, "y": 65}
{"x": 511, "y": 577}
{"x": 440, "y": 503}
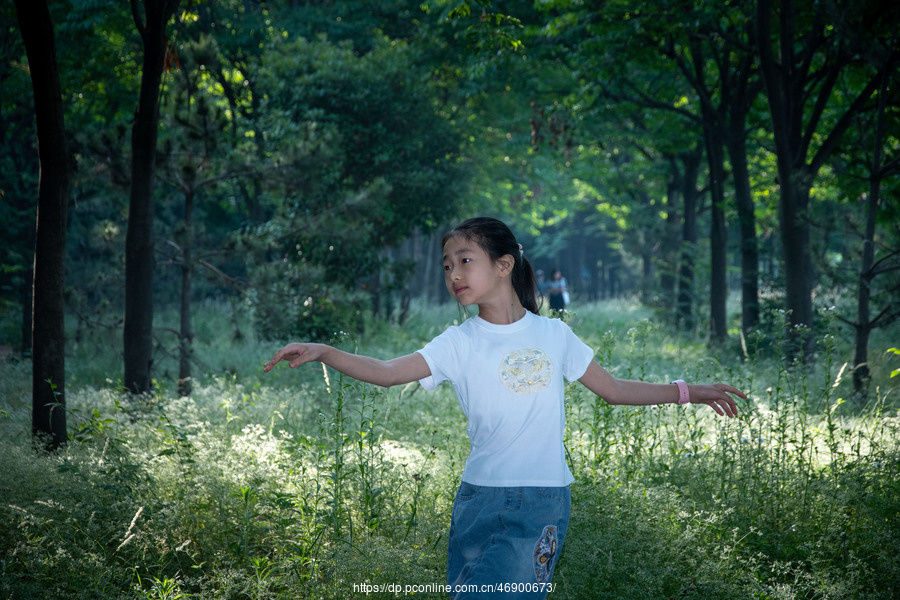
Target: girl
{"x": 507, "y": 366}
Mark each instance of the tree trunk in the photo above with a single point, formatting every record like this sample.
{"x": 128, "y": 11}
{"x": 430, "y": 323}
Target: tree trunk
{"x": 668, "y": 279}
{"x": 864, "y": 323}
{"x": 798, "y": 269}
{"x": 786, "y": 110}
{"x": 27, "y": 309}
{"x": 375, "y": 290}
{"x": 139, "y": 241}
{"x": 185, "y": 347}
{"x": 718, "y": 238}
{"x": 737, "y": 154}
{"x": 647, "y": 274}
{"x": 742, "y": 90}
{"x": 686, "y": 273}
{"x": 48, "y": 425}
{"x": 863, "y": 295}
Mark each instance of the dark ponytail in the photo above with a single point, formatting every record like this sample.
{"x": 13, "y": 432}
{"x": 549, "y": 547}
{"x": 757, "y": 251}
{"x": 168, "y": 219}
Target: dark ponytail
{"x": 497, "y": 240}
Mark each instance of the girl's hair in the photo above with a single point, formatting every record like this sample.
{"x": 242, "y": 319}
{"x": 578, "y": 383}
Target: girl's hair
{"x": 496, "y": 239}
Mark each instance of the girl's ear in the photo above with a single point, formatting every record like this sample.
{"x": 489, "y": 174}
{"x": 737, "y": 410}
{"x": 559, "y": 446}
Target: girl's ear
{"x": 505, "y": 264}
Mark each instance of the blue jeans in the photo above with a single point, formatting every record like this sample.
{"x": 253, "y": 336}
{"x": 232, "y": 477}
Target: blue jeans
{"x": 505, "y": 541}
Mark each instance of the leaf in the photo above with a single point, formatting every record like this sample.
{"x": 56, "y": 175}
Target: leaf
{"x": 896, "y": 351}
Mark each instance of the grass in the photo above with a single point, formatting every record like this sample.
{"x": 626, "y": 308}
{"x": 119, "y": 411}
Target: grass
{"x": 304, "y": 484}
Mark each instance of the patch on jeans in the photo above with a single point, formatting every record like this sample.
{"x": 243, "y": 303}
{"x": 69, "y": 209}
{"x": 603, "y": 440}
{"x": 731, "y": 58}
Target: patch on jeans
{"x": 544, "y": 553}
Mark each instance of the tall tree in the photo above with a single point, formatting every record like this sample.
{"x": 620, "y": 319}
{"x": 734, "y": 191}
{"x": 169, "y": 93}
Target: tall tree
{"x": 686, "y": 168}
{"x": 718, "y": 234}
{"x": 193, "y": 157}
{"x": 882, "y": 164}
{"x": 870, "y": 268}
{"x": 19, "y": 170}
{"x": 48, "y": 333}
{"x": 804, "y": 49}
{"x": 139, "y": 242}
{"x": 718, "y": 61}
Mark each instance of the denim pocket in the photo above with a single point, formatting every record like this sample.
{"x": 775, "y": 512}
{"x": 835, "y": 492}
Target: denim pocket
{"x": 466, "y": 492}
{"x": 550, "y": 492}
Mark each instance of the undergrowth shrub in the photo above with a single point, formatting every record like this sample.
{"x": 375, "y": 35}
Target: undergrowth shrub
{"x": 303, "y": 484}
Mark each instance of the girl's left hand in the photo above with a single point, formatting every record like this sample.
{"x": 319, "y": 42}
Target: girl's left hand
{"x": 716, "y": 396}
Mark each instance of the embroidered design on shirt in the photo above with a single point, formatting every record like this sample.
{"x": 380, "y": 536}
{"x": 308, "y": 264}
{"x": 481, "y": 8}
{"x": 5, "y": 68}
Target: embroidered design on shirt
{"x": 526, "y": 371}
{"x": 544, "y": 552}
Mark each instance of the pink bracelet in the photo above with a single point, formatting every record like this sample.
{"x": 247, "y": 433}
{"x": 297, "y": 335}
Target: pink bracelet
{"x": 684, "y": 395}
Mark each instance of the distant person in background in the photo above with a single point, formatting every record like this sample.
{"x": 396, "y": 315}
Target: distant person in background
{"x": 558, "y": 291}
{"x": 541, "y": 282}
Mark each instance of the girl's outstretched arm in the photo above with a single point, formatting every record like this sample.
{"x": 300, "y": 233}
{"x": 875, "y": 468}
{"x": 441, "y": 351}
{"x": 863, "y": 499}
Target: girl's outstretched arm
{"x": 386, "y": 373}
{"x": 639, "y": 393}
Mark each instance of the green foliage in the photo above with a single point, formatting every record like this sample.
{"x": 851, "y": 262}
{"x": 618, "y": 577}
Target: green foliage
{"x": 355, "y": 144}
{"x": 895, "y": 351}
{"x": 387, "y": 148}
{"x": 482, "y": 29}
{"x": 319, "y": 128}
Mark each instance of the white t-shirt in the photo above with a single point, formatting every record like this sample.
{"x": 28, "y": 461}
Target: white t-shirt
{"x": 509, "y": 382}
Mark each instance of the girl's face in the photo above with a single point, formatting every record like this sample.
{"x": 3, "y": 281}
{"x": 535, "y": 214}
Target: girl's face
{"x": 470, "y": 274}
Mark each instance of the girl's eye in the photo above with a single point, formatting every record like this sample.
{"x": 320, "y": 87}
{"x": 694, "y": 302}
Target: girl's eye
{"x": 446, "y": 267}
{"x": 466, "y": 260}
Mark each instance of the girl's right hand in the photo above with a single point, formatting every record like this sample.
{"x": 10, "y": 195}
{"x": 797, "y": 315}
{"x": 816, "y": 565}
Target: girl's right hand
{"x": 296, "y": 354}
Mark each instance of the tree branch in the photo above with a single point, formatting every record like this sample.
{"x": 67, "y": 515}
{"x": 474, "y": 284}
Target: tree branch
{"x": 138, "y": 22}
